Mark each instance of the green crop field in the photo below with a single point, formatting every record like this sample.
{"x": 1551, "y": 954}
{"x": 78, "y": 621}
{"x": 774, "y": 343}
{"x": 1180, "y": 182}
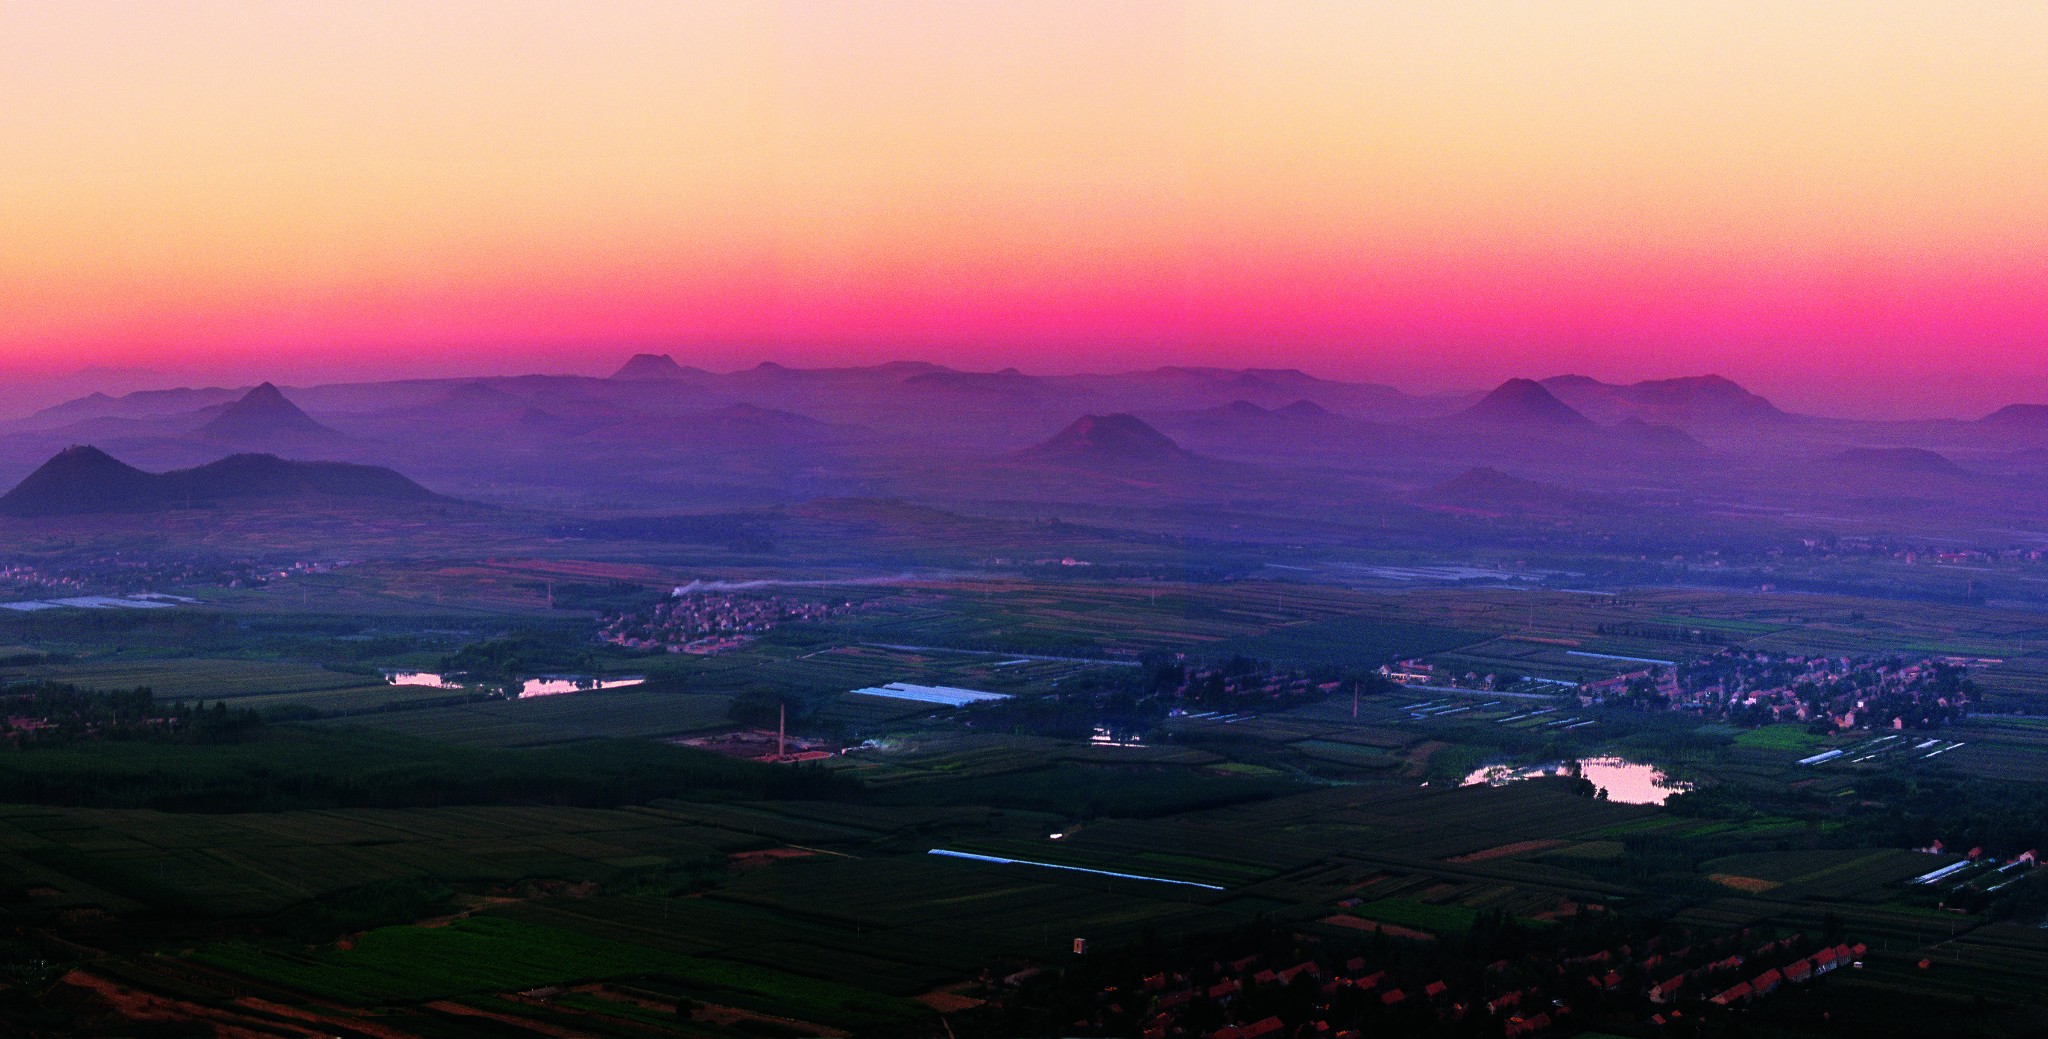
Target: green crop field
{"x": 257, "y": 863}
{"x": 1361, "y": 641}
{"x": 597, "y": 714}
{"x": 198, "y": 679}
{"x": 492, "y": 954}
{"x": 1790, "y": 738}
{"x": 412, "y": 848}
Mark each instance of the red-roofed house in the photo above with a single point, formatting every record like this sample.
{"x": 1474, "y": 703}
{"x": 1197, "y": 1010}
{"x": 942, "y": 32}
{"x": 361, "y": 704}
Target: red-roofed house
{"x": 1307, "y": 967}
{"x": 1261, "y": 1028}
{"x": 1736, "y": 994}
{"x": 1767, "y": 982}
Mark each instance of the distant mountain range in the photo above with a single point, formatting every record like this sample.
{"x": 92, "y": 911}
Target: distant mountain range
{"x": 1110, "y": 440}
{"x": 855, "y": 394}
{"x": 1691, "y": 403}
{"x": 1525, "y": 404}
{"x": 2022, "y": 417}
{"x": 1896, "y": 462}
{"x": 1655, "y": 435}
{"x": 660, "y": 434}
{"x": 658, "y": 367}
{"x": 732, "y": 426}
{"x": 478, "y": 396}
{"x": 1700, "y": 399}
{"x": 1244, "y": 411}
{"x": 82, "y": 480}
{"x": 264, "y": 415}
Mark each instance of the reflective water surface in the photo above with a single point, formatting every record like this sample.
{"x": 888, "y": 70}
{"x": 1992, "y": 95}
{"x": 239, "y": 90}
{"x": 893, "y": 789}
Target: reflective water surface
{"x": 1627, "y": 782}
{"x": 545, "y": 685}
{"x": 556, "y": 685}
{"x": 424, "y": 679}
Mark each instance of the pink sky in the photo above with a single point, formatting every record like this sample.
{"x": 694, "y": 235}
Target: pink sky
{"x": 1839, "y": 204}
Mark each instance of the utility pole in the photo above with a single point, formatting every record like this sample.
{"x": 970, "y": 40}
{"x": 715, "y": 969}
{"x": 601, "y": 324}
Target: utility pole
{"x": 781, "y": 732}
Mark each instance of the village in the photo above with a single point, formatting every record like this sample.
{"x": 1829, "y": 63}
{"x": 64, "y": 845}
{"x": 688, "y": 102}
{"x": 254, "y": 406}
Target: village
{"x": 1657, "y": 981}
{"x": 705, "y": 623}
{"x": 122, "y": 573}
{"x": 1210, "y": 689}
{"x": 1747, "y": 687}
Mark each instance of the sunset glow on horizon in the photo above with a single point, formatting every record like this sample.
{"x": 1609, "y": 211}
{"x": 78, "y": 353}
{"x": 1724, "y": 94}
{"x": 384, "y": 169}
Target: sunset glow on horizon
{"x": 1838, "y": 204}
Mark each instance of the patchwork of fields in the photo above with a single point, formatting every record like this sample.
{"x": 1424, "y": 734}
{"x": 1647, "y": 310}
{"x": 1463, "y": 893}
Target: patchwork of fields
{"x": 1335, "y": 821}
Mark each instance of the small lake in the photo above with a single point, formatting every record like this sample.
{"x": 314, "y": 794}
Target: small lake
{"x": 557, "y": 685}
{"x": 1626, "y": 782}
{"x": 545, "y": 685}
{"x": 422, "y": 679}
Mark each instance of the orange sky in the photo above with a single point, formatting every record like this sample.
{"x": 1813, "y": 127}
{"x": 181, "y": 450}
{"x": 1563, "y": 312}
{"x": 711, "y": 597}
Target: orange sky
{"x": 1841, "y": 204}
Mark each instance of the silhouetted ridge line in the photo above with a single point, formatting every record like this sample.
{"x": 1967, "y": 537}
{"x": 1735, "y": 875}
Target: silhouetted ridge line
{"x": 1525, "y": 403}
{"x": 1103, "y": 439}
{"x": 82, "y": 480}
{"x": 263, "y": 414}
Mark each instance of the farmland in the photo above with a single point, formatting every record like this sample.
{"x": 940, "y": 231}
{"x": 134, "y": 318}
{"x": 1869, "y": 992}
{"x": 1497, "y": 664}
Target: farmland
{"x": 448, "y": 862}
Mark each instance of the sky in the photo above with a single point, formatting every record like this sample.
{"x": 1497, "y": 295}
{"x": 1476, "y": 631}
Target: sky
{"x": 1839, "y": 204}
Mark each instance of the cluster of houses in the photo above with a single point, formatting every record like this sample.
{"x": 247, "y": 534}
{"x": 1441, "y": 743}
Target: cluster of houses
{"x": 1425, "y": 673}
{"x": 22, "y": 577}
{"x": 1917, "y": 553}
{"x": 1224, "y": 1001}
{"x": 122, "y": 573}
{"x": 1753, "y": 688}
{"x": 1653, "y": 981}
{"x": 18, "y": 728}
{"x": 1233, "y": 686}
{"x": 46, "y": 712}
{"x": 704, "y": 623}
{"x": 1735, "y": 979}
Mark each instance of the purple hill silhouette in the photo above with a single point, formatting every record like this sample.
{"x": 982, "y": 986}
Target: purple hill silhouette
{"x": 1524, "y": 403}
{"x": 1687, "y": 399}
{"x": 263, "y": 414}
{"x": 651, "y": 367}
{"x": 1896, "y": 461}
{"x": 1655, "y": 435}
{"x": 83, "y": 479}
{"x": 2018, "y": 416}
{"x": 1118, "y": 439}
{"x": 478, "y": 395}
{"x": 1305, "y": 409}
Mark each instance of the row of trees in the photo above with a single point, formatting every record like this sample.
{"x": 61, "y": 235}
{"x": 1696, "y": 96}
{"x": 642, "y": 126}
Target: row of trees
{"x": 47, "y": 714}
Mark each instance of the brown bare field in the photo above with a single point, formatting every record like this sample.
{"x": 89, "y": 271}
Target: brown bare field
{"x": 1374, "y": 926}
{"x": 1747, "y": 885}
{"x": 1508, "y": 850}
